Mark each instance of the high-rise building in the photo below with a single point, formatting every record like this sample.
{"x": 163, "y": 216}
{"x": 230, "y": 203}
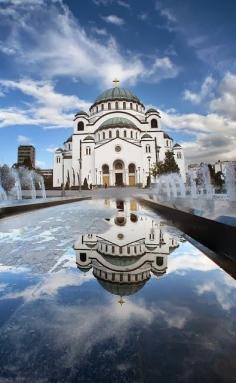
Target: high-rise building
{"x": 26, "y": 155}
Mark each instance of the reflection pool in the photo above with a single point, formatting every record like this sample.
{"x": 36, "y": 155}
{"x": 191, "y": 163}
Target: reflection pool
{"x": 108, "y": 291}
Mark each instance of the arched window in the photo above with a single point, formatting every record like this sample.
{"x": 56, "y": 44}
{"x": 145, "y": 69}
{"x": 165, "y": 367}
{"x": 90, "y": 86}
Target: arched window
{"x": 109, "y": 106}
{"x": 131, "y": 105}
{"x": 137, "y": 107}
{"x": 131, "y": 134}
{"x": 125, "y": 133}
{"x": 136, "y": 135}
{"x": 58, "y": 160}
{"x": 98, "y": 137}
{"x": 118, "y": 165}
{"x": 179, "y": 155}
{"x": 105, "y": 169}
{"x": 110, "y": 134}
{"x": 154, "y": 123}
{"x": 103, "y": 135}
{"x": 96, "y": 109}
{"x": 124, "y": 105}
{"x": 80, "y": 125}
{"x": 159, "y": 261}
{"x": 117, "y": 133}
{"x": 117, "y": 105}
{"x": 131, "y": 168}
{"x": 88, "y": 150}
{"x": 102, "y": 106}
{"x": 148, "y": 148}
{"x": 167, "y": 143}
{"x": 83, "y": 257}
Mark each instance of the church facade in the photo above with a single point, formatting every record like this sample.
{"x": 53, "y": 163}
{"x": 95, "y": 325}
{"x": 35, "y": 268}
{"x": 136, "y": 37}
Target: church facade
{"x": 115, "y": 144}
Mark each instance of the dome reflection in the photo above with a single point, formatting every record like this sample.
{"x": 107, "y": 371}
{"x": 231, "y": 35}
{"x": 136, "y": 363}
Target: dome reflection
{"x": 128, "y": 253}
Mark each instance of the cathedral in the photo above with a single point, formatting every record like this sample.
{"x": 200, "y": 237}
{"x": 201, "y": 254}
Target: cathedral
{"x": 115, "y": 144}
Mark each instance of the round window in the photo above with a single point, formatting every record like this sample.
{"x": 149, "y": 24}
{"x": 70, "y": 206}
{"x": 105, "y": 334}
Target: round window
{"x": 120, "y": 236}
{"x": 118, "y": 148}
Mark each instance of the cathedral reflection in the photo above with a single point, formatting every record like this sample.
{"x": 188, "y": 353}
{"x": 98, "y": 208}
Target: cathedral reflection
{"x": 124, "y": 257}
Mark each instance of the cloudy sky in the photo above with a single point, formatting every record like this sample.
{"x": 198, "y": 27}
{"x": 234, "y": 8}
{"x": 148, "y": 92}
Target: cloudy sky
{"x": 56, "y": 56}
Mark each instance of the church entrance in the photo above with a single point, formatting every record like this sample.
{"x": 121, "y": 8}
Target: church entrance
{"x": 119, "y": 179}
{"x": 118, "y": 167}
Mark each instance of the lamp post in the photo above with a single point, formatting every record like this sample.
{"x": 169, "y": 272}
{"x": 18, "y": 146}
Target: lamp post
{"x": 139, "y": 175}
{"x": 149, "y": 166}
{"x": 158, "y": 152}
{"x": 79, "y": 173}
{"x": 100, "y": 177}
{"x": 96, "y": 176}
{"x": 149, "y": 171}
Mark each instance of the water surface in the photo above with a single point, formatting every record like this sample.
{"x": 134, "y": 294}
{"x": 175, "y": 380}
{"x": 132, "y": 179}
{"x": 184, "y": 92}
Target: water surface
{"x": 103, "y": 291}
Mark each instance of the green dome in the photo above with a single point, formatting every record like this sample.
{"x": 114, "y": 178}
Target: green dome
{"x": 151, "y": 110}
{"x": 117, "y": 121}
{"x": 117, "y": 93}
{"x": 121, "y": 289}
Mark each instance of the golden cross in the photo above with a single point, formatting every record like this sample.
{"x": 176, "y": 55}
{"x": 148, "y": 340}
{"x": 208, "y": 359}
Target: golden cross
{"x": 121, "y": 301}
{"x": 116, "y": 82}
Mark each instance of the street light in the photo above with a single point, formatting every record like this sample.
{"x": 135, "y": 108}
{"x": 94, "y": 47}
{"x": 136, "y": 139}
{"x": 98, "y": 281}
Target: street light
{"x": 79, "y": 159}
{"x": 139, "y": 175}
{"x": 149, "y": 166}
{"x": 149, "y": 171}
{"x": 158, "y": 152}
{"x": 96, "y": 176}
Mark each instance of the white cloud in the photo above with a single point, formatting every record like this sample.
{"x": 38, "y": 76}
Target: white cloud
{"x": 113, "y": 19}
{"x": 51, "y": 149}
{"x": 49, "y": 108}
{"x": 100, "y": 31}
{"x": 226, "y": 102}
{"x": 23, "y": 140}
{"x": 63, "y": 48}
{"x": 40, "y": 164}
{"x": 205, "y": 92}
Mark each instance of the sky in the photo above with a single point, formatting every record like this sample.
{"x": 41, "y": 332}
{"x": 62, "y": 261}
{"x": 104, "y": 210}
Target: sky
{"x": 57, "y": 56}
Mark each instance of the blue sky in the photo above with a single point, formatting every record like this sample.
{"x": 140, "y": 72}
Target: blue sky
{"x": 57, "y": 56}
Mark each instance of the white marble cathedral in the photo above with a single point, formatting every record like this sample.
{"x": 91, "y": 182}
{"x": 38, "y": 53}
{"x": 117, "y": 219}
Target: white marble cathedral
{"x": 116, "y": 143}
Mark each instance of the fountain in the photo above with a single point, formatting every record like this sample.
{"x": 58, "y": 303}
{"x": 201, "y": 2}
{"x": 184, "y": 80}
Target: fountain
{"x": 198, "y": 185}
{"x": 20, "y": 183}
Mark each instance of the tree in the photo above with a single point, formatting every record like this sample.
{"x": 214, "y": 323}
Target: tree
{"x": 168, "y": 166}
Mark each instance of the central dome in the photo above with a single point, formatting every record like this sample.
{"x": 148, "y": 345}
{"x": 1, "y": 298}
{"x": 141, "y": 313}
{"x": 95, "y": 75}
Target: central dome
{"x": 117, "y": 93}
{"x": 117, "y": 121}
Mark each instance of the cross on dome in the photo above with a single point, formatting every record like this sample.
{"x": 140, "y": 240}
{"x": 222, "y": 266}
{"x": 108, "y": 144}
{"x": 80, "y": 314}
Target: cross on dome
{"x": 116, "y": 82}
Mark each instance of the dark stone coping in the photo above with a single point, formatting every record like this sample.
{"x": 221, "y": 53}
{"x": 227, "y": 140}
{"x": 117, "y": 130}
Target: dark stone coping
{"x": 6, "y": 211}
{"x": 216, "y": 236}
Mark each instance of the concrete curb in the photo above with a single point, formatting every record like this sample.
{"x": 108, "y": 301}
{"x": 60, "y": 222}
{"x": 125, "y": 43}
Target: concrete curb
{"x": 216, "y": 236}
{"x": 24, "y": 208}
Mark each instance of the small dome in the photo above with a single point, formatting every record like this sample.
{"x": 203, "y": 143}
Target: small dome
{"x": 177, "y": 146}
{"x": 84, "y": 268}
{"x": 82, "y": 113}
{"x": 68, "y": 140}
{"x": 117, "y": 93}
{"x": 146, "y": 135}
{"x": 59, "y": 150}
{"x": 151, "y": 110}
{"x": 89, "y": 138}
{"x": 117, "y": 121}
{"x": 167, "y": 136}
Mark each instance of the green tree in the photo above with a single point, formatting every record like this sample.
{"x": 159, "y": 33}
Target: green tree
{"x": 168, "y": 166}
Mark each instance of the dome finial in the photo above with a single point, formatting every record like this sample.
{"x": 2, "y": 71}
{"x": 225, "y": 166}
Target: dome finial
{"x": 116, "y": 82}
